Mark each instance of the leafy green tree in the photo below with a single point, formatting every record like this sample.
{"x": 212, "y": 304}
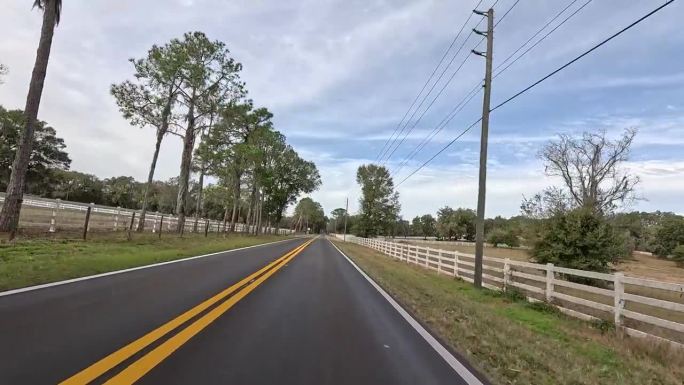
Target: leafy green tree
{"x": 226, "y": 148}
{"x": 580, "y": 239}
{"x": 402, "y": 227}
{"x": 309, "y": 214}
{"x": 163, "y": 196}
{"x": 379, "y": 202}
{"x": 416, "y": 227}
{"x": 9, "y": 215}
{"x": 428, "y": 225}
{"x": 48, "y": 153}
{"x": 207, "y": 73}
{"x": 678, "y": 254}
{"x": 121, "y": 191}
{"x": 149, "y": 100}
{"x": 338, "y": 215}
{"x": 501, "y": 236}
{"x": 425, "y": 226}
{"x": 641, "y": 227}
{"x": 669, "y": 235}
{"x": 78, "y": 187}
{"x": 243, "y": 149}
{"x": 459, "y": 223}
{"x": 216, "y": 199}
{"x": 284, "y": 178}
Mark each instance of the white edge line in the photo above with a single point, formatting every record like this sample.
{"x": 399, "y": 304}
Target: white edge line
{"x": 455, "y": 364}
{"x": 79, "y": 279}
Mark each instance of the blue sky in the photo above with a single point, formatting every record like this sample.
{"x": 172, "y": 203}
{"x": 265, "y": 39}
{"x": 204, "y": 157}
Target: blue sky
{"x": 339, "y": 75}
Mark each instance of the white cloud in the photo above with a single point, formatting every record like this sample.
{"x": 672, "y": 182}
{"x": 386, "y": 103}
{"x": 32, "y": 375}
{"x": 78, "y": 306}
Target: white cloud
{"x": 340, "y": 74}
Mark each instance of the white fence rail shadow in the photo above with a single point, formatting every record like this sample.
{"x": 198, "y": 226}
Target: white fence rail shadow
{"x": 55, "y": 215}
{"x": 638, "y": 307}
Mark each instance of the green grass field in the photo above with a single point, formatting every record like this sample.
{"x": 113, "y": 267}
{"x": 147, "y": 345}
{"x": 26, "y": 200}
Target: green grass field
{"x": 32, "y": 262}
{"x": 515, "y": 342}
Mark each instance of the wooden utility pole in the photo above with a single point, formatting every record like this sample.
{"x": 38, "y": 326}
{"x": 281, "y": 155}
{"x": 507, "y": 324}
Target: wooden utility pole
{"x": 481, "y": 194}
{"x": 346, "y": 214}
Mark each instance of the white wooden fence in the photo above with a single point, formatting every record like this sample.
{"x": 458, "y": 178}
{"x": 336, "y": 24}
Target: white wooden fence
{"x": 639, "y": 307}
{"x": 53, "y": 215}
{"x": 435, "y": 242}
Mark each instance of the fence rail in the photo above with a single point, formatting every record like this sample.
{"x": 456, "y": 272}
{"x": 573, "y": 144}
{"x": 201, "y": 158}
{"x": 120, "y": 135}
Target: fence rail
{"x": 636, "y": 306}
{"x": 55, "y": 215}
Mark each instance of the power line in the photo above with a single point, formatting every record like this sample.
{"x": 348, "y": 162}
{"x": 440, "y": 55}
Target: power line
{"x": 427, "y": 82}
{"x": 537, "y": 83}
{"x": 451, "y": 78}
{"x": 445, "y": 121}
{"x": 536, "y": 34}
{"x": 543, "y": 38}
{"x": 386, "y": 156}
{"x": 440, "y": 151}
{"x": 442, "y": 89}
{"x": 592, "y": 49}
{"x": 506, "y": 13}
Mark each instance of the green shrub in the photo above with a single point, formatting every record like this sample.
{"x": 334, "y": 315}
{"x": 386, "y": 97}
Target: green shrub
{"x": 603, "y": 326}
{"x": 669, "y": 235}
{"x": 506, "y": 237}
{"x": 580, "y": 239}
{"x": 543, "y": 307}
{"x": 513, "y": 294}
{"x": 678, "y": 255}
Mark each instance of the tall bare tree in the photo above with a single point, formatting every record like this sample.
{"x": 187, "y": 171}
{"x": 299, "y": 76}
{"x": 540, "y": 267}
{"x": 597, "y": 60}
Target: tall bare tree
{"x": 591, "y": 167}
{"x": 9, "y": 216}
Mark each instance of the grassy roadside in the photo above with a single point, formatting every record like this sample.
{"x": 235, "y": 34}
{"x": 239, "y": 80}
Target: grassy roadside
{"x": 34, "y": 262}
{"x": 515, "y": 342}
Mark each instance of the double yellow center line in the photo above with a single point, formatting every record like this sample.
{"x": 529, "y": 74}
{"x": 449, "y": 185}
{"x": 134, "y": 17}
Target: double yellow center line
{"x": 147, "y": 362}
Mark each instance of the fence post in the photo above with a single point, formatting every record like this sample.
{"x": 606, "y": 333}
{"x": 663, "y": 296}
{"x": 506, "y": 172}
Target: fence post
{"x": 154, "y": 225}
{"x": 439, "y": 261}
{"x": 549, "y": 282}
{"x": 619, "y": 290}
{"x": 53, "y": 220}
{"x": 206, "y": 228}
{"x": 116, "y": 217}
{"x": 161, "y": 226}
{"x": 506, "y": 274}
{"x": 92, "y": 208}
{"x": 87, "y": 223}
{"x": 427, "y": 257}
{"x": 130, "y": 227}
{"x": 456, "y": 273}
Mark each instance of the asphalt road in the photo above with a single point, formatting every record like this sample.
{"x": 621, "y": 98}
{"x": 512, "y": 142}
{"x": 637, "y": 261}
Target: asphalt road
{"x": 306, "y": 317}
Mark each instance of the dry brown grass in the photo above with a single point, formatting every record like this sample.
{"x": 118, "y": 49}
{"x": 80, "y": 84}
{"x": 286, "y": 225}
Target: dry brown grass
{"x": 648, "y": 266}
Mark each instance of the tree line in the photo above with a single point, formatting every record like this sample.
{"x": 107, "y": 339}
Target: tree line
{"x": 581, "y": 224}
{"x": 49, "y": 176}
{"x": 189, "y": 88}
